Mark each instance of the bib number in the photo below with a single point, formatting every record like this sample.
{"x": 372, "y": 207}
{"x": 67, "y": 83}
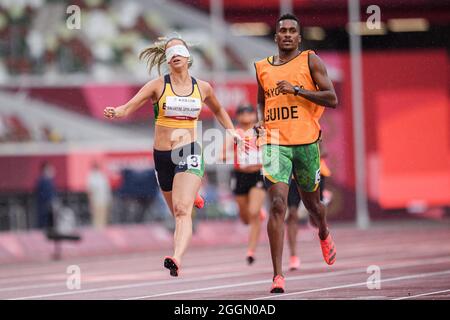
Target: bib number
{"x": 194, "y": 162}
{"x": 317, "y": 176}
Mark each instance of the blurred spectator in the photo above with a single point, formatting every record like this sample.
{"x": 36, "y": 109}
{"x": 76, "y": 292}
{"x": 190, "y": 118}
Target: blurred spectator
{"x": 65, "y": 220}
{"x": 45, "y": 193}
{"x": 110, "y": 40}
{"x": 139, "y": 190}
{"x": 3, "y": 130}
{"x": 100, "y": 196}
{"x": 51, "y": 135}
{"x": 17, "y": 130}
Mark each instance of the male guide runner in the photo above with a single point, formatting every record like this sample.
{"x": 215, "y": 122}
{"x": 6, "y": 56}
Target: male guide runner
{"x": 293, "y": 91}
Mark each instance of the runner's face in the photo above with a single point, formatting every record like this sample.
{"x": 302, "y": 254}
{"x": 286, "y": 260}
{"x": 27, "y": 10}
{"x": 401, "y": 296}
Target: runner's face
{"x": 246, "y": 118}
{"x": 288, "y": 36}
{"x": 178, "y": 62}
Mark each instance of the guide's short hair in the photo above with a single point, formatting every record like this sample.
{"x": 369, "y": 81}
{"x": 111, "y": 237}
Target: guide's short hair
{"x": 288, "y": 16}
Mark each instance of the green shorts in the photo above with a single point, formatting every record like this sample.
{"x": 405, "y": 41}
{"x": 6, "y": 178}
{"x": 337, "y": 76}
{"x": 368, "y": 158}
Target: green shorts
{"x": 302, "y": 161}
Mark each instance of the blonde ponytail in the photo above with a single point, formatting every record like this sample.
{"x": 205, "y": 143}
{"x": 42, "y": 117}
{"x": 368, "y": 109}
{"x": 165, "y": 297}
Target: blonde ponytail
{"x": 155, "y": 55}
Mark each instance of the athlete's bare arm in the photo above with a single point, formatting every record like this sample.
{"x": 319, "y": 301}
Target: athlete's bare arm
{"x": 326, "y": 96}
{"x": 149, "y": 91}
{"x": 259, "y": 127}
{"x": 261, "y": 102}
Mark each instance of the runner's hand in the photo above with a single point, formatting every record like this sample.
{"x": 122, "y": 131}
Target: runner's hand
{"x": 259, "y": 129}
{"x": 285, "y": 87}
{"x": 113, "y": 113}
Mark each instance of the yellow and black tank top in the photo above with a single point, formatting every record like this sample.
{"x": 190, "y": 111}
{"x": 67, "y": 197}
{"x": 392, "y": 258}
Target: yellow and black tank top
{"x": 175, "y": 111}
{"x": 289, "y": 119}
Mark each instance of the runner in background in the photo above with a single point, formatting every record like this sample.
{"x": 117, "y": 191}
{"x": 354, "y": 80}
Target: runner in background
{"x": 247, "y": 181}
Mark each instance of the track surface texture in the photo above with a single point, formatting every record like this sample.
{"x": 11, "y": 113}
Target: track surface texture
{"x": 412, "y": 260}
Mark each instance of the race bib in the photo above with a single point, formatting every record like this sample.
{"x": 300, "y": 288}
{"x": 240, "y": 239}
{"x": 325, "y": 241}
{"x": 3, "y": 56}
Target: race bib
{"x": 182, "y": 107}
{"x": 194, "y": 162}
{"x": 317, "y": 176}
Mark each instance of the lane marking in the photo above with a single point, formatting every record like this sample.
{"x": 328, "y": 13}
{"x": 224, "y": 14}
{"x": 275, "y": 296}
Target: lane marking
{"x": 149, "y": 257}
{"x": 319, "y": 275}
{"x": 306, "y": 266}
{"x": 421, "y": 295}
{"x": 138, "y": 285}
{"x": 357, "y": 284}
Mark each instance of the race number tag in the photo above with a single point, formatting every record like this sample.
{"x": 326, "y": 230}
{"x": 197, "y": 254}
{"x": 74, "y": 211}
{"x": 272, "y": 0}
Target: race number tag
{"x": 182, "y": 107}
{"x": 194, "y": 162}
{"x": 317, "y": 176}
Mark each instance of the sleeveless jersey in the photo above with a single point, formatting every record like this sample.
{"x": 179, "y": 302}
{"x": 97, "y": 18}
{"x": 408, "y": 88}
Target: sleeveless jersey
{"x": 174, "y": 111}
{"x": 249, "y": 156}
{"x": 289, "y": 119}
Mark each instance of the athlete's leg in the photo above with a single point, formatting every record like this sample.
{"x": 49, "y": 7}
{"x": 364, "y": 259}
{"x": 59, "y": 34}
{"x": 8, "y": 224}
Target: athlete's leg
{"x": 277, "y": 169}
{"x": 275, "y": 227}
{"x": 168, "y": 197}
{"x": 183, "y": 202}
{"x": 292, "y": 230}
{"x": 242, "y": 202}
{"x": 307, "y": 176}
{"x": 317, "y": 211}
{"x": 255, "y": 202}
{"x": 292, "y": 219}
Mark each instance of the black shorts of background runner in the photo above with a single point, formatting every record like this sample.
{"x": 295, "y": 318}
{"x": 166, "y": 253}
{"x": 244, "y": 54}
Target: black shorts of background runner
{"x": 242, "y": 183}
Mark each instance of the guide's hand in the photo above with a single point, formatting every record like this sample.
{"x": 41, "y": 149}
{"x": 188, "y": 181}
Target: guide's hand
{"x": 285, "y": 87}
{"x": 259, "y": 129}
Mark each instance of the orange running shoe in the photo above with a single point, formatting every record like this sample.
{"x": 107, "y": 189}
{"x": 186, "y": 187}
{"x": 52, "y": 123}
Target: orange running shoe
{"x": 328, "y": 250}
{"x": 199, "y": 202}
{"x": 294, "y": 263}
{"x": 277, "y": 285}
{"x": 171, "y": 264}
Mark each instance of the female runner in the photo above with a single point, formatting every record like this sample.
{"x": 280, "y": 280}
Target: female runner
{"x": 178, "y": 99}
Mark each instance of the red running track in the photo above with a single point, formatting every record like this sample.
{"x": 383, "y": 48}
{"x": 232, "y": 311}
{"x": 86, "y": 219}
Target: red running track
{"x": 414, "y": 262}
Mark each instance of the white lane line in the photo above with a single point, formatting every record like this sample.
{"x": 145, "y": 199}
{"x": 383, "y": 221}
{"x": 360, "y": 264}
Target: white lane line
{"x": 305, "y": 267}
{"x": 17, "y": 279}
{"x": 243, "y": 284}
{"x": 422, "y": 295}
{"x": 145, "y": 257}
{"x": 95, "y": 265}
{"x": 138, "y": 285}
{"x": 225, "y": 275}
{"x": 305, "y": 277}
{"x": 357, "y": 284}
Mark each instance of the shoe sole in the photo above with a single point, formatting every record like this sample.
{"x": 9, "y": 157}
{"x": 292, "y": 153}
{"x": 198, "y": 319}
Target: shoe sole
{"x": 332, "y": 259}
{"x": 277, "y": 290}
{"x": 169, "y": 264}
{"x": 250, "y": 260}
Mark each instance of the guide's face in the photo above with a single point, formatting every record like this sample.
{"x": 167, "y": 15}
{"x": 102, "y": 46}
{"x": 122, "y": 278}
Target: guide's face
{"x": 287, "y": 35}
